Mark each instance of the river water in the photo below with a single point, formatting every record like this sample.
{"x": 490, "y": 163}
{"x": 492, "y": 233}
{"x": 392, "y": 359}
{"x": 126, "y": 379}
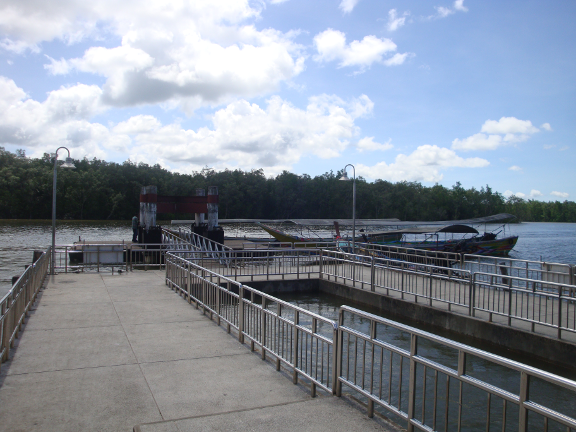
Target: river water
{"x": 551, "y": 242}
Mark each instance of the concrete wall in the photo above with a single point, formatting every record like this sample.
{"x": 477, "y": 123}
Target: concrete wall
{"x": 519, "y": 342}
{"x": 527, "y": 347}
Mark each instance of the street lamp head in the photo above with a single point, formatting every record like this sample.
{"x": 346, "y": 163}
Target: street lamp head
{"x": 68, "y": 164}
{"x": 344, "y": 176}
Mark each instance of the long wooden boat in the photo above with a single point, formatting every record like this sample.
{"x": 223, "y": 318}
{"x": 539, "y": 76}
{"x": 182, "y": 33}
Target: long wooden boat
{"x": 485, "y": 244}
{"x": 283, "y": 237}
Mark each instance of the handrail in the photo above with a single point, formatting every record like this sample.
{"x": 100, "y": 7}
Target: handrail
{"x": 16, "y": 304}
{"x": 371, "y": 383}
{"x": 293, "y": 336}
{"x": 296, "y": 337}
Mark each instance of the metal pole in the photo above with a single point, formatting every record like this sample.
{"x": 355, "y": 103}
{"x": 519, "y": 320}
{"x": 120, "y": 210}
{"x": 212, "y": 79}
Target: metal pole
{"x": 354, "y": 211}
{"x": 53, "y": 216}
{"x": 68, "y": 165}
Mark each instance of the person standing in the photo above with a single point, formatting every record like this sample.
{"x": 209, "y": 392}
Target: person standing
{"x": 135, "y": 228}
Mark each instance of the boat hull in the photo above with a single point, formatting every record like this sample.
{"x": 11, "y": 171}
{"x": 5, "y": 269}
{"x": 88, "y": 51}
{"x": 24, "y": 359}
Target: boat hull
{"x": 496, "y": 247}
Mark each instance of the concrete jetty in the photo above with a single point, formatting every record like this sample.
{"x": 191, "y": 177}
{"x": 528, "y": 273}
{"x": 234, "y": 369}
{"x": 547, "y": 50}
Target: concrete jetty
{"x": 122, "y": 352}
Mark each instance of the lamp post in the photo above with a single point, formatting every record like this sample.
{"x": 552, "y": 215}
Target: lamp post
{"x": 68, "y": 164}
{"x": 345, "y": 177}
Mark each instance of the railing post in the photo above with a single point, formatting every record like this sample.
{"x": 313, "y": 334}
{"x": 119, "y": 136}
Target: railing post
{"x": 241, "y": 313}
{"x": 472, "y": 294}
{"x": 189, "y": 283}
{"x": 372, "y": 275}
{"x": 320, "y": 267}
{"x": 402, "y": 278}
{"x": 337, "y": 362}
{"x": 510, "y": 301}
{"x": 412, "y": 382}
{"x": 372, "y": 337}
{"x": 430, "y": 289}
{"x": 523, "y": 396}
{"x": 295, "y": 347}
{"x": 314, "y": 330}
{"x": 297, "y": 265}
{"x": 263, "y": 327}
{"x": 560, "y": 312}
{"x": 217, "y": 294}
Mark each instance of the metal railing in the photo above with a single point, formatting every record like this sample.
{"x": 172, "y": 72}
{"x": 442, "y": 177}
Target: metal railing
{"x": 108, "y": 256}
{"x": 523, "y": 269}
{"x": 517, "y": 299}
{"x": 298, "y": 338}
{"x": 450, "y": 391}
{"x": 431, "y": 383}
{"x": 552, "y": 305}
{"x": 261, "y": 263}
{"x": 185, "y": 240}
{"x": 412, "y": 255}
{"x": 15, "y": 305}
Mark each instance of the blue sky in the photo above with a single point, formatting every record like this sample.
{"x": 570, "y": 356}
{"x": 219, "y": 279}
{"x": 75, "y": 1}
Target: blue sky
{"x": 481, "y": 92}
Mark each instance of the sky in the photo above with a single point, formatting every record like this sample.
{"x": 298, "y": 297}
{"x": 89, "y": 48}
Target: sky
{"x": 431, "y": 91}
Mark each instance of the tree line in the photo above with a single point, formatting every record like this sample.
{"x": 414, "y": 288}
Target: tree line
{"x": 99, "y": 190}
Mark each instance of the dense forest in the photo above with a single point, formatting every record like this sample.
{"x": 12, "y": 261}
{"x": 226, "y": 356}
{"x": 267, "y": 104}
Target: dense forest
{"x": 100, "y": 190}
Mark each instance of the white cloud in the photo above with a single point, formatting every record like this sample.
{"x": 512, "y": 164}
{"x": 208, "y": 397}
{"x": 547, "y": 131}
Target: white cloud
{"x": 549, "y": 146}
{"x": 563, "y": 148}
{"x": 534, "y": 193}
{"x": 459, "y": 5}
{"x": 394, "y": 21}
{"x": 189, "y": 54}
{"x": 509, "y": 125}
{"x": 443, "y": 12}
{"x": 348, "y": 5}
{"x": 424, "y": 164}
{"x": 478, "y": 141}
{"x": 515, "y": 168}
{"x": 331, "y": 46}
{"x": 62, "y": 119}
{"x": 243, "y": 135}
{"x": 497, "y": 133}
{"x": 560, "y": 194}
{"x": 368, "y": 144}
{"x": 138, "y": 125}
{"x": 547, "y": 127}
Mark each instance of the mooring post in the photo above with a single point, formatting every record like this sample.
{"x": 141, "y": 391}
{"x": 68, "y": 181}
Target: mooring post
{"x": 199, "y": 217}
{"x": 148, "y": 206}
{"x": 212, "y": 207}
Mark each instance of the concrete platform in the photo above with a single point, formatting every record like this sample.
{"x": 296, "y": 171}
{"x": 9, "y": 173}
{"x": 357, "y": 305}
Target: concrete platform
{"x": 104, "y": 352}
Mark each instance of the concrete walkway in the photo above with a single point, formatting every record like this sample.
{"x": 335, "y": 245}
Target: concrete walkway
{"x": 105, "y": 352}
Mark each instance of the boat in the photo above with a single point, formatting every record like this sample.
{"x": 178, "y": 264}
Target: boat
{"x": 487, "y": 243}
{"x": 283, "y": 237}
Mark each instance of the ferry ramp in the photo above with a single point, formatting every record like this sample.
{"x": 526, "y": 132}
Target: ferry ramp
{"x": 122, "y": 352}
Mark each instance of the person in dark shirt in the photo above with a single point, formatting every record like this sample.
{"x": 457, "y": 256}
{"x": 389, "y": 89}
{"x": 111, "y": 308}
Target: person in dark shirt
{"x": 135, "y": 228}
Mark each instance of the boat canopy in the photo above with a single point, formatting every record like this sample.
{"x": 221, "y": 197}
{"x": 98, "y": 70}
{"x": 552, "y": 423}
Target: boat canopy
{"x": 501, "y": 217}
{"x": 454, "y": 229}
